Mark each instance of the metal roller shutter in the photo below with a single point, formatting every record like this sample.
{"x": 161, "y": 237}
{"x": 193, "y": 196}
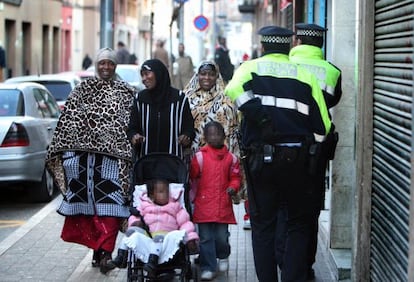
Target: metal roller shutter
{"x": 393, "y": 104}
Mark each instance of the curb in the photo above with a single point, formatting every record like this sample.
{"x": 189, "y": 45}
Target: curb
{"x": 29, "y": 225}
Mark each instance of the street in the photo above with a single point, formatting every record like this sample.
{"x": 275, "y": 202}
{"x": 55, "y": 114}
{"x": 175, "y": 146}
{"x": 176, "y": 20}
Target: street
{"x": 15, "y": 209}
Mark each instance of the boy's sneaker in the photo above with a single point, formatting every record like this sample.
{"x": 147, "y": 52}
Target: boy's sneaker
{"x": 207, "y": 275}
{"x": 246, "y": 225}
{"x": 223, "y": 265}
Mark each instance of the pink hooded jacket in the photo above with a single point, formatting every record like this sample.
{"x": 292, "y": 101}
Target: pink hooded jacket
{"x": 172, "y": 216}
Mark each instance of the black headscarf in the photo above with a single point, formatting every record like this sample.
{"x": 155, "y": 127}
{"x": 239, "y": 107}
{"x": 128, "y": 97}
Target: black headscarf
{"x": 161, "y": 93}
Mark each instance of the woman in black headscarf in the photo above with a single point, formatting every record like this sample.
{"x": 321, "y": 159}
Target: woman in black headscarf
{"x": 161, "y": 119}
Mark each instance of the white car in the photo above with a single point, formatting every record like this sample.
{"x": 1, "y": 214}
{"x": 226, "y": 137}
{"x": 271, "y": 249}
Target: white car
{"x": 28, "y": 117}
{"x": 60, "y": 85}
{"x": 128, "y": 72}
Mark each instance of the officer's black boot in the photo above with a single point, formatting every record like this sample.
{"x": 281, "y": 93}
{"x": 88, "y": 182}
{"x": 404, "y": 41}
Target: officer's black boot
{"x": 121, "y": 259}
{"x": 151, "y": 266}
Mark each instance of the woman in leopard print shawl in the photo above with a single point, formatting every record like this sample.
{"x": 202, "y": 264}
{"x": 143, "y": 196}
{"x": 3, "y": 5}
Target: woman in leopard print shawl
{"x": 205, "y": 93}
{"x": 90, "y": 159}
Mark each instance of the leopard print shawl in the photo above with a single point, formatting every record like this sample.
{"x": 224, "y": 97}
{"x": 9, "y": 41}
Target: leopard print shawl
{"x": 94, "y": 120}
{"x": 212, "y": 105}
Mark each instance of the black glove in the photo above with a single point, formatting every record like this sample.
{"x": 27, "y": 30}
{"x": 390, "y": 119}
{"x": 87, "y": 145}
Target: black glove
{"x": 234, "y": 196}
{"x": 134, "y": 211}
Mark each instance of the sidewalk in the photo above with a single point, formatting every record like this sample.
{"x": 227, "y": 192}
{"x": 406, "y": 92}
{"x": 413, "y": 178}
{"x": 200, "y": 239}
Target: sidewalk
{"x": 35, "y": 252}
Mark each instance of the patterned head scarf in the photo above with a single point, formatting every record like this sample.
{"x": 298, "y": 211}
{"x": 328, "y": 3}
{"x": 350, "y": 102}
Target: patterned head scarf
{"x": 105, "y": 54}
{"x": 194, "y": 84}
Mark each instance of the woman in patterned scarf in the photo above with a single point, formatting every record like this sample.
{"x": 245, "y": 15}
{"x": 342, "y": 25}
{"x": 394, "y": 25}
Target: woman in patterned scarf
{"x": 205, "y": 93}
{"x": 90, "y": 159}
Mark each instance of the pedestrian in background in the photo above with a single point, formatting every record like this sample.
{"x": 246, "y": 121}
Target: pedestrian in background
{"x": 309, "y": 54}
{"x": 90, "y": 159}
{"x": 217, "y": 172}
{"x": 122, "y": 53}
{"x": 86, "y": 62}
{"x": 161, "y": 54}
{"x": 2, "y": 62}
{"x": 284, "y": 119}
{"x": 161, "y": 119}
{"x": 133, "y": 59}
{"x": 183, "y": 68}
{"x": 222, "y": 59}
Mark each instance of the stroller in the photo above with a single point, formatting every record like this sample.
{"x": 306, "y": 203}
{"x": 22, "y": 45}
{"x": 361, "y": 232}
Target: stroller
{"x": 173, "y": 169}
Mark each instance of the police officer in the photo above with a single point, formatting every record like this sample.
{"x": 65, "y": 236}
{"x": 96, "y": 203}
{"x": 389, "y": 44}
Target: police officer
{"x": 284, "y": 117}
{"x": 308, "y": 53}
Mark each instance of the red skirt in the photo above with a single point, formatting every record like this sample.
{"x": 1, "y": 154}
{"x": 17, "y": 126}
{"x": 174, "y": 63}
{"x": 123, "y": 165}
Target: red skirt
{"x": 91, "y": 231}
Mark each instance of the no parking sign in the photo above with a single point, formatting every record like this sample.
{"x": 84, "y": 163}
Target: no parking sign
{"x": 201, "y": 22}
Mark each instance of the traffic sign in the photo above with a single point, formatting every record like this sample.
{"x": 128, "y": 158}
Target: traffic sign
{"x": 201, "y": 22}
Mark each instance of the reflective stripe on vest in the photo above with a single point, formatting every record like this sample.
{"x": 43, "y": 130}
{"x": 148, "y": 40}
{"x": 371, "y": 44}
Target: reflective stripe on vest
{"x": 243, "y": 98}
{"x": 284, "y": 103}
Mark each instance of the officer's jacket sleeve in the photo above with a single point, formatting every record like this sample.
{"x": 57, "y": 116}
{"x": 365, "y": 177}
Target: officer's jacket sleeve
{"x": 333, "y": 99}
{"x": 239, "y": 90}
{"x": 320, "y": 101}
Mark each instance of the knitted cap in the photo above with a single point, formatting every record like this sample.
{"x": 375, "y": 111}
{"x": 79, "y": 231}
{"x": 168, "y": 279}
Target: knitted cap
{"x": 106, "y": 54}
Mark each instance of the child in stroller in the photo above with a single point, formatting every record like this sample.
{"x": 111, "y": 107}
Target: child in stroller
{"x": 159, "y": 224}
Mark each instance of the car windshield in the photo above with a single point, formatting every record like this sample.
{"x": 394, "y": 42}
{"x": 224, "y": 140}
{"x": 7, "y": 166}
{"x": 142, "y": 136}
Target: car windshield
{"x": 59, "y": 89}
{"x": 11, "y": 102}
{"x": 129, "y": 75}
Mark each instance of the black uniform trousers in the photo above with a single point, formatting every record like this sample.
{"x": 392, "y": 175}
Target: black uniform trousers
{"x": 319, "y": 180}
{"x": 276, "y": 184}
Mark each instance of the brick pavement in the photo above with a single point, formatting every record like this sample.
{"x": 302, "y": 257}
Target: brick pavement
{"x": 35, "y": 252}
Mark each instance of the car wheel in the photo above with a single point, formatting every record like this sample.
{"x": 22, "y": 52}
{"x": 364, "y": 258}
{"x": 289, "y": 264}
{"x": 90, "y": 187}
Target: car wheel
{"x": 42, "y": 191}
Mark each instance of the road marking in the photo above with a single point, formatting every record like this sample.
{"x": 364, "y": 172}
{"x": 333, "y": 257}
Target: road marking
{"x": 11, "y": 223}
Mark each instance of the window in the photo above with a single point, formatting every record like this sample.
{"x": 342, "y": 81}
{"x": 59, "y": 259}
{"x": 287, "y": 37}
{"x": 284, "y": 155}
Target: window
{"x": 10, "y": 102}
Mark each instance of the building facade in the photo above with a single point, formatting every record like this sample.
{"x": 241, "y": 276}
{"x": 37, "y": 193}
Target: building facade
{"x": 368, "y": 225}
{"x": 51, "y": 36}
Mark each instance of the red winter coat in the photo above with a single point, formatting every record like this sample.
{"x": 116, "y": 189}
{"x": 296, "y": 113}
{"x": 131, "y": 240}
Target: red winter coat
{"x": 220, "y": 170}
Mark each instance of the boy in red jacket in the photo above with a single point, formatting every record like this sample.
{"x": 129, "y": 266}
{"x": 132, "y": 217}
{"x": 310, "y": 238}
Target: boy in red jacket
{"x": 217, "y": 174}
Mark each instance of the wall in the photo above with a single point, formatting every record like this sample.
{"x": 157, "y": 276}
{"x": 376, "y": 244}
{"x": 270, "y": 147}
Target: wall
{"x": 38, "y": 16}
{"x": 342, "y": 54}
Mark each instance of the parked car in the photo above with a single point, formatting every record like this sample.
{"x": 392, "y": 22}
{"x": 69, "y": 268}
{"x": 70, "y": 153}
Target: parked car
{"x": 128, "y": 72}
{"x": 82, "y": 74}
{"x": 28, "y": 118}
{"x": 60, "y": 85}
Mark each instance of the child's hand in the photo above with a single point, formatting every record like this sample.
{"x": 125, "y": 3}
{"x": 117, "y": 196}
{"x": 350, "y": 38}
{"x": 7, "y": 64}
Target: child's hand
{"x": 192, "y": 247}
{"x": 234, "y": 195}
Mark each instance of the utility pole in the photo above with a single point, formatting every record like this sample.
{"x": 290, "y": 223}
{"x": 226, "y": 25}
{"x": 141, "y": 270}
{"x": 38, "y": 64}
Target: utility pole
{"x": 107, "y": 24}
{"x": 181, "y": 24}
{"x": 200, "y": 37}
